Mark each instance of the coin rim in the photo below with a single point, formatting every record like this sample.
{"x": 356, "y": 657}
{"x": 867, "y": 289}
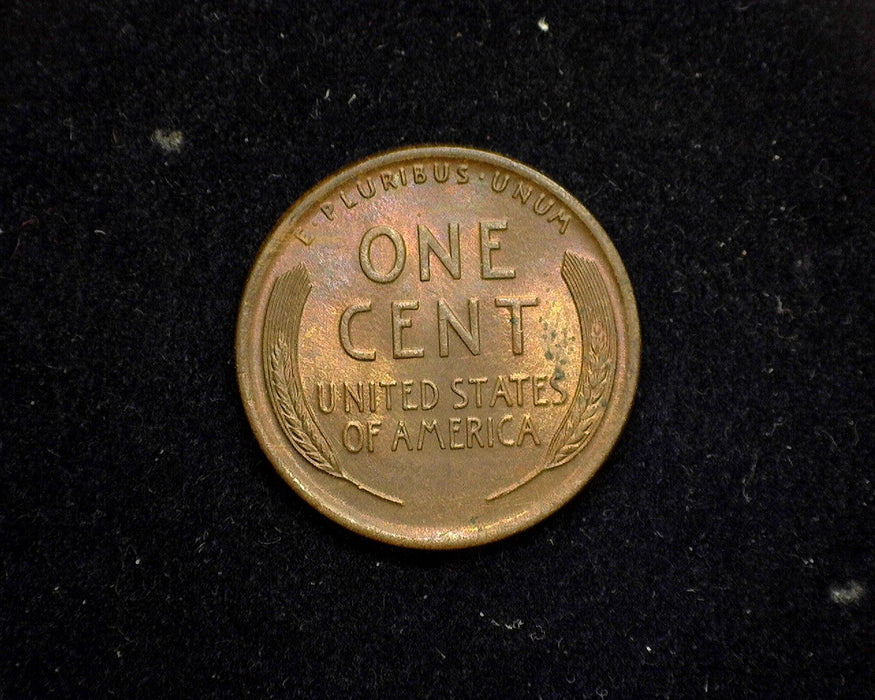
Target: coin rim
{"x": 614, "y": 421}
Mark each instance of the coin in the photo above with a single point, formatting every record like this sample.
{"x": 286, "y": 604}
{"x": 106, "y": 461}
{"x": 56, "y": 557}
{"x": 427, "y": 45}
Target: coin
{"x": 437, "y": 347}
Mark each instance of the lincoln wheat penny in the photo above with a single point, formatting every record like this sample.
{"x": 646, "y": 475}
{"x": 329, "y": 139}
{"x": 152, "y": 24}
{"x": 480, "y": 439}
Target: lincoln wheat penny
{"x": 437, "y": 347}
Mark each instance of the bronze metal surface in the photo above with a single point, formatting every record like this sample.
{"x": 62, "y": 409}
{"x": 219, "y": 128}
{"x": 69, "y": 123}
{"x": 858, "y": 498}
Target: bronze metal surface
{"x": 437, "y": 347}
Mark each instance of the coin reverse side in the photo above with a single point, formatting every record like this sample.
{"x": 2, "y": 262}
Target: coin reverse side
{"x": 437, "y": 347}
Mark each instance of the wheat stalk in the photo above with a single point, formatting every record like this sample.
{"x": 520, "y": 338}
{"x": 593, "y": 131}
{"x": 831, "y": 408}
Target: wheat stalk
{"x": 589, "y": 404}
{"x": 284, "y": 310}
{"x": 294, "y": 417}
{"x": 589, "y": 294}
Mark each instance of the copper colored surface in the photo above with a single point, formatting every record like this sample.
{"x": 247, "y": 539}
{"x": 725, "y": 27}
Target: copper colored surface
{"x": 437, "y": 347}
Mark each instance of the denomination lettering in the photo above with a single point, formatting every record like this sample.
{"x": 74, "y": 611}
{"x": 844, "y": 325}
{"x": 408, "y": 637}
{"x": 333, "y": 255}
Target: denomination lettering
{"x": 450, "y": 258}
{"x": 487, "y": 246}
{"x": 428, "y": 244}
{"x": 345, "y": 339}
{"x": 365, "y": 254}
{"x": 399, "y": 323}
{"x": 516, "y": 305}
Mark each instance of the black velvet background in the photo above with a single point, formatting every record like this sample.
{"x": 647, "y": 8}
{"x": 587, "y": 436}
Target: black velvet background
{"x": 148, "y": 547}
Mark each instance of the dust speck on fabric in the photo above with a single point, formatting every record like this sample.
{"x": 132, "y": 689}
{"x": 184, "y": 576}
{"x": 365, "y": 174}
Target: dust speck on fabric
{"x": 168, "y": 141}
{"x": 847, "y": 593}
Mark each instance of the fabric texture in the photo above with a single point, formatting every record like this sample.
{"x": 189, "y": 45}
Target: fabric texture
{"x": 726, "y": 547}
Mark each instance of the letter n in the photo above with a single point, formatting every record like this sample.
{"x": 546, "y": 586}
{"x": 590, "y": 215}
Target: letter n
{"x": 470, "y": 336}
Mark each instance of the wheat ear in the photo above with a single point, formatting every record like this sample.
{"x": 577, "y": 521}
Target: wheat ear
{"x": 282, "y": 325}
{"x": 599, "y": 336}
